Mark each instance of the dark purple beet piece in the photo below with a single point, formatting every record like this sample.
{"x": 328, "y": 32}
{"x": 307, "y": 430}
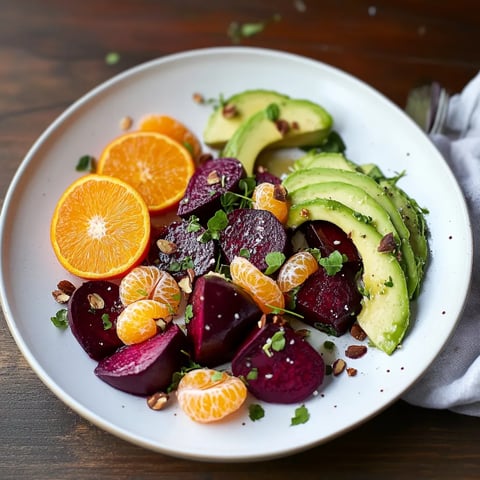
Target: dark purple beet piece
{"x": 257, "y": 231}
{"x": 147, "y": 367}
{"x": 262, "y": 176}
{"x": 276, "y": 373}
{"x": 223, "y": 316}
{"x": 330, "y": 302}
{"x": 188, "y": 251}
{"x": 94, "y": 328}
{"x": 209, "y": 182}
{"x": 327, "y": 237}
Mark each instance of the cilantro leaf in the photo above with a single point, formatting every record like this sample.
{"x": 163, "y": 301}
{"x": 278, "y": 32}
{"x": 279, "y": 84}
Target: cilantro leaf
{"x": 255, "y": 412}
{"x": 60, "y": 319}
{"x": 333, "y": 263}
{"x": 86, "y": 163}
{"x": 302, "y": 415}
{"x": 274, "y": 261}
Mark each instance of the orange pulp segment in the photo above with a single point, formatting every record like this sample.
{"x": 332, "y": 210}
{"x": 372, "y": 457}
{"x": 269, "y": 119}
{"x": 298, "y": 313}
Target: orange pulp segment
{"x": 296, "y": 270}
{"x": 138, "y": 321}
{"x": 100, "y": 227}
{"x": 174, "y": 129}
{"x": 208, "y": 395}
{"x": 267, "y": 196}
{"x": 263, "y": 289}
{"x": 149, "y": 282}
{"x": 158, "y": 167}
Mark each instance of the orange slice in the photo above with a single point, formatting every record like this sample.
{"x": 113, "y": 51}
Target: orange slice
{"x": 263, "y": 289}
{"x": 149, "y": 282}
{"x": 158, "y": 167}
{"x": 296, "y": 270}
{"x": 267, "y": 196}
{"x": 207, "y": 395}
{"x": 100, "y": 227}
{"x": 174, "y": 129}
{"x": 138, "y": 321}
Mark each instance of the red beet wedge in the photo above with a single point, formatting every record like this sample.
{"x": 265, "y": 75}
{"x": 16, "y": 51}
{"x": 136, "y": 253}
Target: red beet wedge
{"x": 279, "y": 365}
{"x": 209, "y": 182}
{"x": 147, "y": 367}
{"x": 223, "y": 316}
{"x": 330, "y": 302}
{"x": 92, "y": 315}
{"x": 257, "y": 232}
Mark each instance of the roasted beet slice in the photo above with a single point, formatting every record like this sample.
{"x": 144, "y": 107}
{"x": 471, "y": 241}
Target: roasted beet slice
{"x": 255, "y": 231}
{"x": 223, "y": 316}
{"x": 147, "y": 367}
{"x": 262, "y": 175}
{"x": 209, "y": 182}
{"x": 327, "y": 237}
{"x": 183, "y": 251}
{"x": 92, "y": 315}
{"x": 279, "y": 365}
{"x": 330, "y": 302}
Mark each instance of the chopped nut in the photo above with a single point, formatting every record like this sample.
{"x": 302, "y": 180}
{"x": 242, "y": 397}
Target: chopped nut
{"x": 338, "y": 366}
{"x": 304, "y": 212}
{"x": 295, "y": 125}
{"x": 66, "y": 287}
{"x": 126, "y": 123}
{"x": 262, "y": 322}
{"x": 165, "y": 246}
{"x": 261, "y": 169}
{"x": 351, "y": 372}
{"x": 282, "y": 126}
{"x": 280, "y": 193}
{"x": 303, "y": 332}
{"x": 185, "y": 284}
{"x": 357, "y": 332}
{"x": 355, "y": 351}
{"x": 60, "y": 297}
{"x": 387, "y": 244}
{"x": 213, "y": 178}
{"x": 96, "y": 301}
{"x": 157, "y": 401}
{"x": 198, "y": 98}
{"x": 229, "y": 111}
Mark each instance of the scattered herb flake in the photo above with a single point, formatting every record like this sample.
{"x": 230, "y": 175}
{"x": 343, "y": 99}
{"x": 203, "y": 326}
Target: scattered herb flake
{"x": 333, "y": 263}
{"x": 86, "y": 163}
{"x": 217, "y": 376}
{"x": 107, "y": 324}
{"x": 252, "y": 374}
{"x": 273, "y": 112}
{"x": 60, "y": 319}
{"x": 112, "y": 58}
{"x": 188, "y": 313}
{"x": 255, "y": 412}
{"x": 278, "y": 341}
{"x": 301, "y": 416}
{"x": 328, "y": 345}
{"x": 274, "y": 261}
{"x": 244, "y": 252}
{"x": 389, "y": 282}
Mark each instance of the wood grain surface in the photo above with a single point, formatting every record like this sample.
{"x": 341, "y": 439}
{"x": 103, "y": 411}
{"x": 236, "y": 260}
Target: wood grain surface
{"x": 53, "y": 51}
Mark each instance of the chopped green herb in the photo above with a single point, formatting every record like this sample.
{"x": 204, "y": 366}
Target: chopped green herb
{"x": 279, "y": 311}
{"x": 177, "y": 376}
{"x": 189, "y": 147}
{"x": 217, "y": 376}
{"x": 244, "y": 252}
{"x": 363, "y": 218}
{"x": 188, "y": 313}
{"x": 274, "y": 261}
{"x": 252, "y": 374}
{"x": 301, "y": 416}
{"x": 273, "y": 112}
{"x": 278, "y": 341}
{"x": 112, "y": 58}
{"x": 328, "y": 345}
{"x": 185, "y": 264}
{"x": 107, "y": 324}
{"x": 193, "y": 224}
{"x": 255, "y": 412}
{"x": 333, "y": 263}
{"x": 60, "y": 319}
{"x": 237, "y": 31}
{"x": 86, "y": 163}
{"x": 389, "y": 282}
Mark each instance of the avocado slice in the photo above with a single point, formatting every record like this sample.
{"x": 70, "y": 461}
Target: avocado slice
{"x": 307, "y": 122}
{"x": 220, "y": 127}
{"x": 324, "y": 160}
{"x": 363, "y": 205}
{"x": 385, "y": 310}
{"x": 301, "y": 178}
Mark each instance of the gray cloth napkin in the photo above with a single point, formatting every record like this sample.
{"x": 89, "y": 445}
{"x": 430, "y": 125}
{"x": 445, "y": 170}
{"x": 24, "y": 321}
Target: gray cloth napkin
{"x": 453, "y": 380}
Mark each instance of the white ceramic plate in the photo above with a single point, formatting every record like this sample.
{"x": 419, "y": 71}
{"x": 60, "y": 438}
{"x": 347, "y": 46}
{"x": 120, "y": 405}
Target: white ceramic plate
{"x": 374, "y": 131}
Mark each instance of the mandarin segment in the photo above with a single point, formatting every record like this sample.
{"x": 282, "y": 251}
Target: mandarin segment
{"x": 138, "y": 321}
{"x": 296, "y": 270}
{"x": 158, "y": 167}
{"x": 263, "y": 289}
{"x": 174, "y": 129}
{"x": 208, "y": 395}
{"x": 100, "y": 227}
{"x": 267, "y": 196}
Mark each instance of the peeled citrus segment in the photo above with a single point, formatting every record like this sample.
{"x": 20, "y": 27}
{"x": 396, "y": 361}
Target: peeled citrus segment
{"x": 267, "y": 196}
{"x": 174, "y": 129}
{"x": 149, "y": 282}
{"x": 296, "y": 270}
{"x": 158, "y": 167}
{"x": 100, "y": 227}
{"x": 138, "y": 321}
{"x": 207, "y": 395}
{"x": 263, "y": 289}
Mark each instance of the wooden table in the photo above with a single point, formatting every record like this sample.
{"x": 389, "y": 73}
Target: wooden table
{"x": 53, "y": 51}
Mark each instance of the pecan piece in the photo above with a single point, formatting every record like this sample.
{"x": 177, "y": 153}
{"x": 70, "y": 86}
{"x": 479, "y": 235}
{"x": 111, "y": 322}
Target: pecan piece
{"x": 387, "y": 244}
{"x": 166, "y": 246}
{"x": 157, "y": 401}
{"x": 357, "y": 332}
{"x": 282, "y": 126}
{"x": 229, "y": 111}
{"x": 280, "y": 193}
{"x": 338, "y": 366}
{"x": 66, "y": 287}
{"x": 355, "y": 351}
